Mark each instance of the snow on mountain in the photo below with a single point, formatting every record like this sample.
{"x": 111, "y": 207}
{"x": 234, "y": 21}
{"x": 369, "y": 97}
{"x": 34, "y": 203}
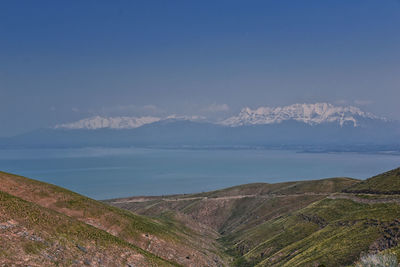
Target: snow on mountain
{"x": 98, "y": 122}
{"x": 311, "y": 114}
{"x": 185, "y": 118}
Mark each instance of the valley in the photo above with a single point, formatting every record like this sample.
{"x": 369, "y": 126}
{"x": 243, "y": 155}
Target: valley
{"x": 326, "y": 222}
{"x": 303, "y": 223}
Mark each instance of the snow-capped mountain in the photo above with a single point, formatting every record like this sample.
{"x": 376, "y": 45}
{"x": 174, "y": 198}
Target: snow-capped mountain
{"x": 311, "y": 114}
{"x": 309, "y": 126}
{"x": 185, "y": 118}
{"x": 98, "y": 122}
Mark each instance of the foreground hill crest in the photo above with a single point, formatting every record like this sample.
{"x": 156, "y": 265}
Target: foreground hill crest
{"x": 385, "y": 183}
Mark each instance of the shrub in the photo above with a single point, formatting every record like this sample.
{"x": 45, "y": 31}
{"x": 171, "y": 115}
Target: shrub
{"x": 378, "y": 260}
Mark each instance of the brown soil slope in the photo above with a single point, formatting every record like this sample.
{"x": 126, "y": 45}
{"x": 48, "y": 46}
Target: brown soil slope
{"x": 164, "y": 237}
{"x": 31, "y": 235}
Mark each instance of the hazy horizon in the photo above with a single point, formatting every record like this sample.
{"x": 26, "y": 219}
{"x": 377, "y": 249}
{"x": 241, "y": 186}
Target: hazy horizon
{"x": 62, "y": 62}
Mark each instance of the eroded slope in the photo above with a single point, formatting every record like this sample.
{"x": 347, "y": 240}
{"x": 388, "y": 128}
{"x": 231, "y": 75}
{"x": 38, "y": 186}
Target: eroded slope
{"x": 164, "y": 236}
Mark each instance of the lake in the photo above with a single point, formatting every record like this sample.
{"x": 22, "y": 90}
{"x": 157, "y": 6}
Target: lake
{"x": 103, "y": 173}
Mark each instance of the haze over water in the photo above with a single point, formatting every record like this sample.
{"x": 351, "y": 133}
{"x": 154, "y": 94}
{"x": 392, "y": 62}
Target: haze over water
{"x": 103, "y": 173}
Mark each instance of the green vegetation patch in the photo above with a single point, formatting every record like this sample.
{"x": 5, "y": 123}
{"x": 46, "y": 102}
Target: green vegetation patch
{"x": 32, "y": 247}
{"x": 332, "y": 232}
{"x": 385, "y": 183}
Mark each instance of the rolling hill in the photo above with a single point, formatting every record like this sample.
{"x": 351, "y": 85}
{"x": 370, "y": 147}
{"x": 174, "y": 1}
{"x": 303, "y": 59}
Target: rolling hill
{"x": 306, "y": 223}
{"x": 31, "y": 235}
{"x": 162, "y": 238}
{"x": 327, "y": 222}
{"x": 385, "y": 183}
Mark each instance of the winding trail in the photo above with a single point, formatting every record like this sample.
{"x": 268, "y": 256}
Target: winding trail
{"x": 174, "y": 199}
{"x": 350, "y": 196}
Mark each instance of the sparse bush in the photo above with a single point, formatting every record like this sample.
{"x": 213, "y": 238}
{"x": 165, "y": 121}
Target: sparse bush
{"x": 242, "y": 262}
{"x": 378, "y": 260}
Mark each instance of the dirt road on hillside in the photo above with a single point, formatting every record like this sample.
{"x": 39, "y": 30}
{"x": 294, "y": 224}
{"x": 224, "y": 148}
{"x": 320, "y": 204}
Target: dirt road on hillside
{"x": 173, "y": 199}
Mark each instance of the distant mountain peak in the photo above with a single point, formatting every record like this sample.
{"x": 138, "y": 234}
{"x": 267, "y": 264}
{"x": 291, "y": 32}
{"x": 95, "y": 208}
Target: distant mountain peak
{"x": 98, "y": 122}
{"x": 311, "y": 114}
{"x": 123, "y": 122}
{"x": 185, "y": 118}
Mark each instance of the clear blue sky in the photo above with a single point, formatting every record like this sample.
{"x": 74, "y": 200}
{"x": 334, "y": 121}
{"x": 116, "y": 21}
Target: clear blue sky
{"x": 65, "y": 60}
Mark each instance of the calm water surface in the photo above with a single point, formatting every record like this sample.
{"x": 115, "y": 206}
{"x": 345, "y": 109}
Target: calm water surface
{"x": 103, "y": 173}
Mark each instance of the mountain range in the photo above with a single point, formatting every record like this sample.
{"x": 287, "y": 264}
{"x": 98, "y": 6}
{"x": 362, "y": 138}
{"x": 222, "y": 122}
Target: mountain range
{"x": 319, "y": 126}
{"x": 124, "y": 122}
{"x": 312, "y": 114}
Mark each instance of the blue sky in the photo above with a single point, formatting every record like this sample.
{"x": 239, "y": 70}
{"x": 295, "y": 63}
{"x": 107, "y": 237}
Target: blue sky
{"x": 65, "y": 60}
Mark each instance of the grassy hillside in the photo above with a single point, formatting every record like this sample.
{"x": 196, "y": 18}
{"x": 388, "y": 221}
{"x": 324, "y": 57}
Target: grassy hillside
{"x": 306, "y": 223}
{"x": 243, "y": 206}
{"x": 327, "y": 222}
{"x": 164, "y": 237}
{"x": 385, "y": 183}
{"x": 332, "y": 232}
{"x": 36, "y": 236}
{"x": 327, "y": 186}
